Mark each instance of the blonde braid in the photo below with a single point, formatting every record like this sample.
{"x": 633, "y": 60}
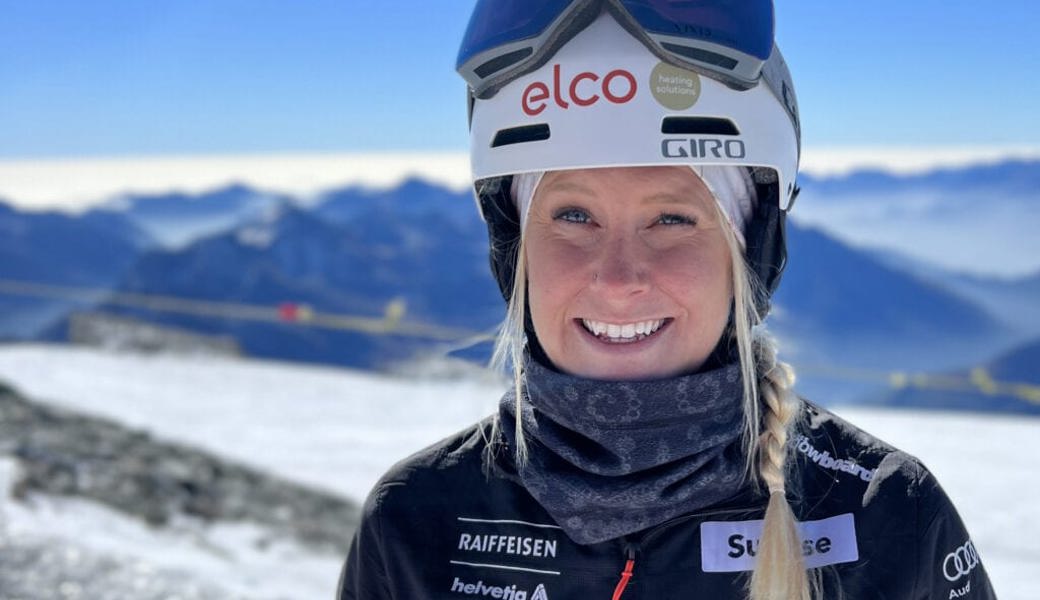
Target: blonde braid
{"x": 779, "y": 410}
{"x": 780, "y": 572}
{"x": 770, "y": 411}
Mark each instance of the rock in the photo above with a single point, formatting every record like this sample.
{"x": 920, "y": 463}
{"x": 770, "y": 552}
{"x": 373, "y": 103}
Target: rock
{"x": 61, "y": 452}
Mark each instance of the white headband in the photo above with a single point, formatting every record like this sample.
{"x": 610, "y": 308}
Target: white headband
{"x": 731, "y": 186}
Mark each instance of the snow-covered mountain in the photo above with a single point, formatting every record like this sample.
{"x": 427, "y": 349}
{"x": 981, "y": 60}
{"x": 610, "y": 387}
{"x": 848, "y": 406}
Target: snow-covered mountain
{"x": 177, "y": 219}
{"x": 414, "y": 197}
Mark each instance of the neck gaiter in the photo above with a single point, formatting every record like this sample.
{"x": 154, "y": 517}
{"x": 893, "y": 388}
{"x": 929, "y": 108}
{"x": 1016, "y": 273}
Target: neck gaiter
{"x": 609, "y": 458}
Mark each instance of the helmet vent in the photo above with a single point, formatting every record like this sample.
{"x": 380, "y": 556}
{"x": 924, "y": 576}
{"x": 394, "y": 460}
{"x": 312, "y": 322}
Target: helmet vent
{"x": 498, "y": 63}
{"x": 520, "y": 135}
{"x": 698, "y": 125}
{"x": 701, "y": 55}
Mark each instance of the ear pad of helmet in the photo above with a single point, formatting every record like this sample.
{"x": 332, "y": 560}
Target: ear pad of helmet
{"x": 503, "y": 224}
{"x": 766, "y": 237}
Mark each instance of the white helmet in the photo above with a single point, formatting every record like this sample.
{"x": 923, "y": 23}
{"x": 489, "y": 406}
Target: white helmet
{"x": 604, "y": 91}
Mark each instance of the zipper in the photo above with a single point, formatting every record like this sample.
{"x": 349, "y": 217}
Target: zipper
{"x": 630, "y": 563}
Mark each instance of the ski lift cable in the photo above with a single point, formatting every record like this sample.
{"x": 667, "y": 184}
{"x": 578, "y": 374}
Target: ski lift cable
{"x": 391, "y": 323}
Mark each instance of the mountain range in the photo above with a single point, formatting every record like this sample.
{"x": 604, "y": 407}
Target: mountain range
{"x": 91, "y": 251}
{"x": 422, "y": 248}
{"x": 435, "y": 268}
{"x": 980, "y": 219}
{"x": 176, "y": 219}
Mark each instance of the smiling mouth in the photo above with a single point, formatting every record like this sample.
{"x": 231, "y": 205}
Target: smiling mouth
{"x": 624, "y": 333}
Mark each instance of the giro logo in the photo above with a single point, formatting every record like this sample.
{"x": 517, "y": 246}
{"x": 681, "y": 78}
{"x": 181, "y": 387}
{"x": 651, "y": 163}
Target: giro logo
{"x": 960, "y": 562}
{"x": 584, "y": 89}
{"x": 703, "y": 148}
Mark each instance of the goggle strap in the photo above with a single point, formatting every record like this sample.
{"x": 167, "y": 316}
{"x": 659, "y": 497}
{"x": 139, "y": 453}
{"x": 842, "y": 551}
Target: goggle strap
{"x": 567, "y": 25}
{"x": 571, "y": 22}
{"x": 636, "y": 30}
{"x": 776, "y": 75}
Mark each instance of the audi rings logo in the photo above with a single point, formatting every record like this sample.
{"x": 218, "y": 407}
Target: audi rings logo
{"x": 960, "y": 562}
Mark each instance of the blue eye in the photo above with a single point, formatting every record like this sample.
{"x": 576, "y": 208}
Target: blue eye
{"x": 573, "y": 215}
{"x": 672, "y": 219}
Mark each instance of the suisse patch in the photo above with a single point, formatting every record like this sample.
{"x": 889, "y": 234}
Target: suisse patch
{"x": 731, "y": 546}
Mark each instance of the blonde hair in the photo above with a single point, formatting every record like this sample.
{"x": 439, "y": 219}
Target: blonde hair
{"x": 771, "y": 410}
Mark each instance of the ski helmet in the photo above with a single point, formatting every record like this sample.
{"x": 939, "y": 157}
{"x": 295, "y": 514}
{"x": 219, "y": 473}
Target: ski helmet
{"x": 556, "y": 85}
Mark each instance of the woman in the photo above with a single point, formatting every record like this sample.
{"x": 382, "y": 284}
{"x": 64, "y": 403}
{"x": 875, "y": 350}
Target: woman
{"x": 634, "y": 161}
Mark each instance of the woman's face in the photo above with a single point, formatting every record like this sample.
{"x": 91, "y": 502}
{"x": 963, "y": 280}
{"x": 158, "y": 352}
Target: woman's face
{"x": 629, "y": 273}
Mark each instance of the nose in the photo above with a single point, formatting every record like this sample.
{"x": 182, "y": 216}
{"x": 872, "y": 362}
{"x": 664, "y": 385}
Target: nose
{"x": 622, "y": 268}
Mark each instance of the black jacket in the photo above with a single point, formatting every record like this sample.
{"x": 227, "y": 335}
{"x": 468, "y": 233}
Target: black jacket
{"x": 441, "y": 524}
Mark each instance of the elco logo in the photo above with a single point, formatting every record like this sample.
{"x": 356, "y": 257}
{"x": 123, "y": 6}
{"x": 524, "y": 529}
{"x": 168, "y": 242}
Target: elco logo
{"x": 960, "y": 562}
{"x": 494, "y": 591}
{"x": 618, "y": 86}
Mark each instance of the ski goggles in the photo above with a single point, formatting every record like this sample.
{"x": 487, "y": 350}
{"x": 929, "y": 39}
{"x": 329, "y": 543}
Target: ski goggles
{"x": 727, "y": 40}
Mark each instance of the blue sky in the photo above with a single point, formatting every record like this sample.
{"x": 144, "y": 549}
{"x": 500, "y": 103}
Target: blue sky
{"x": 131, "y": 78}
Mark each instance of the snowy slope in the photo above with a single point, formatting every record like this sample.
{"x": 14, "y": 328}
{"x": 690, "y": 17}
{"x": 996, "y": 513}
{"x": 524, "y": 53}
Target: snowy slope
{"x": 328, "y": 428}
{"x": 340, "y": 430}
{"x": 101, "y": 554}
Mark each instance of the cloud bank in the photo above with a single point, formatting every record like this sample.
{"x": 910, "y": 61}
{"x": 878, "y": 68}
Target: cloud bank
{"x": 76, "y": 184}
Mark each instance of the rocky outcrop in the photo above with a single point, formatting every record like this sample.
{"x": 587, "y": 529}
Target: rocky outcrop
{"x": 61, "y": 452}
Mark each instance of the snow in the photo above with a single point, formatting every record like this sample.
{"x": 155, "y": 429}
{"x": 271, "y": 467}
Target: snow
{"x": 255, "y": 236}
{"x": 325, "y": 427}
{"x": 340, "y": 430}
{"x": 245, "y": 559}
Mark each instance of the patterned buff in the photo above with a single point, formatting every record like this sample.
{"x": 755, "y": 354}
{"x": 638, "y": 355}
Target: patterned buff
{"x": 606, "y": 459}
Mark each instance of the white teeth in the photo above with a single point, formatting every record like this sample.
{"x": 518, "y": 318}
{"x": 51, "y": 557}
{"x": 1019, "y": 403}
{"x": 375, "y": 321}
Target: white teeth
{"x": 625, "y": 331}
